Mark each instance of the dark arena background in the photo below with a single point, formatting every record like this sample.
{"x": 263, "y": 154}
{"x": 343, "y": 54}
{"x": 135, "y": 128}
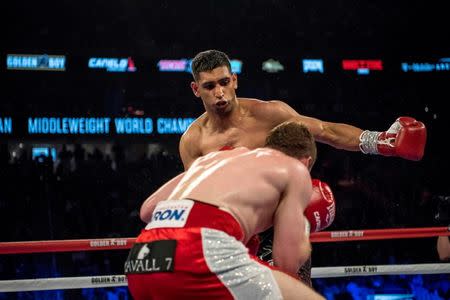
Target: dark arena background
{"x": 96, "y": 94}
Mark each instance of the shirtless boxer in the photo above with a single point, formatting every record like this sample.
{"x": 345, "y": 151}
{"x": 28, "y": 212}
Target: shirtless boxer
{"x": 230, "y": 121}
{"x": 193, "y": 246}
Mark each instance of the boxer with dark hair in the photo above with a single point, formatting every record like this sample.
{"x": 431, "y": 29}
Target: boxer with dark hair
{"x": 230, "y": 121}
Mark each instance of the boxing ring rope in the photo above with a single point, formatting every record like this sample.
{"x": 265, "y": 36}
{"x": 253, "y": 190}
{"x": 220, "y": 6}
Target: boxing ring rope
{"x": 126, "y": 243}
{"x": 40, "y": 284}
{"x": 62, "y": 283}
{"x": 65, "y": 245}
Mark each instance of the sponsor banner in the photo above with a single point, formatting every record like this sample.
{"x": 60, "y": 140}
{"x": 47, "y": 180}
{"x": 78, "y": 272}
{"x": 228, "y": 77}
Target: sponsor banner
{"x": 272, "y": 66}
{"x": 36, "y": 62}
{"x": 107, "y": 243}
{"x": 174, "y": 65}
{"x": 442, "y": 65}
{"x": 184, "y": 65}
{"x": 170, "y": 214}
{"x": 313, "y": 66}
{"x": 108, "y": 280}
{"x": 362, "y": 67}
{"x": 112, "y": 64}
{"x": 236, "y": 66}
{"x": 152, "y": 257}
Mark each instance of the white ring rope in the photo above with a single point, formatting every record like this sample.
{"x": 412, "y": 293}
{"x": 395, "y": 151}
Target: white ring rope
{"x": 62, "y": 283}
{"x": 369, "y": 270}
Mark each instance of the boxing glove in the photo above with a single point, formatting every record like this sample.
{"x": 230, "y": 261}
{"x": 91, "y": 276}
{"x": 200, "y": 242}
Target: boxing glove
{"x": 321, "y": 209}
{"x": 405, "y": 138}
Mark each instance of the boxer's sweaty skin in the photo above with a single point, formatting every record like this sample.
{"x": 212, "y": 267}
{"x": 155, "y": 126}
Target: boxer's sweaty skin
{"x": 260, "y": 188}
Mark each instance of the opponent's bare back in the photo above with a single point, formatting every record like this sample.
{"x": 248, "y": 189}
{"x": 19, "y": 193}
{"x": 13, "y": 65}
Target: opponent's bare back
{"x": 261, "y": 188}
{"x": 247, "y": 183}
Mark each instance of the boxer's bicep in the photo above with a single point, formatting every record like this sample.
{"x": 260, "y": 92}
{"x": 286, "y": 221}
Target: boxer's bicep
{"x": 281, "y": 112}
{"x": 278, "y": 112}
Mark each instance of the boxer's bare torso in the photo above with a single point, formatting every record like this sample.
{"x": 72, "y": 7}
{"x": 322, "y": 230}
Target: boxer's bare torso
{"x": 247, "y": 183}
{"x": 260, "y": 188}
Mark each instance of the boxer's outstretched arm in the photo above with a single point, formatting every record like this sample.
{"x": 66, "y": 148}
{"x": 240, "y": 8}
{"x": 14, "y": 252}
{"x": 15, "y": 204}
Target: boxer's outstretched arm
{"x": 406, "y": 138}
{"x": 338, "y": 135}
{"x": 161, "y": 194}
{"x": 291, "y": 246}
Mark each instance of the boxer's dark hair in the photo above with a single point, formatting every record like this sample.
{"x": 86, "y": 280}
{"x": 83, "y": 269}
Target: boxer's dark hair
{"x": 208, "y": 60}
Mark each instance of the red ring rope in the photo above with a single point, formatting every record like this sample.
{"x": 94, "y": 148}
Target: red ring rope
{"x": 65, "y": 245}
{"x": 126, "y": 243}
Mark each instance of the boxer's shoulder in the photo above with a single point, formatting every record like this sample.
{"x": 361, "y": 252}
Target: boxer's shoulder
{"x": 194, "y": 129}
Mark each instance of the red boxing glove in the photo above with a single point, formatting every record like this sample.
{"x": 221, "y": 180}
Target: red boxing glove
{"x": 253, "y": 245}
{"x": 405, "y": 138}
{"x": 321, "y": 209}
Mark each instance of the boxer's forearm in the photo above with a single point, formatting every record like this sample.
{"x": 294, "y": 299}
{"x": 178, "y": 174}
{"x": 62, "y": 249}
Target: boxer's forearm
{"x": 443, "y": 247}
{"x": 339, "y": 135}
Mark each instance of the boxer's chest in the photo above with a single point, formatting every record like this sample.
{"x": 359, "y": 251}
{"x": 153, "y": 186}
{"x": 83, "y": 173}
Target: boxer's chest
{"x": 250, "y": 135}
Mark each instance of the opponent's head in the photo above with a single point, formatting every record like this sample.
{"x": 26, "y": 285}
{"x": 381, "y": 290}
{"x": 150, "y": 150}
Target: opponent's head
{"x": 293, "y": 139}
{"x": 213, "y": 81}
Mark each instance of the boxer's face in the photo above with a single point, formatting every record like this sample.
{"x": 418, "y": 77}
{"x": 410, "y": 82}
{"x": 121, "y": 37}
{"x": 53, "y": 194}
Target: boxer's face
{"x": 217, "y": 89}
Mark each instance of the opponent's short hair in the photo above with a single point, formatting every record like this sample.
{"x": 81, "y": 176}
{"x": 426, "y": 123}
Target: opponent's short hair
{"x": 293, "y": 139}
{"x": 208, "y": 60}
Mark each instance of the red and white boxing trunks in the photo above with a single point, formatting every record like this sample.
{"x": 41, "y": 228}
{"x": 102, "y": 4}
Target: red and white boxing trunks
{"x": 192, "y": 250}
